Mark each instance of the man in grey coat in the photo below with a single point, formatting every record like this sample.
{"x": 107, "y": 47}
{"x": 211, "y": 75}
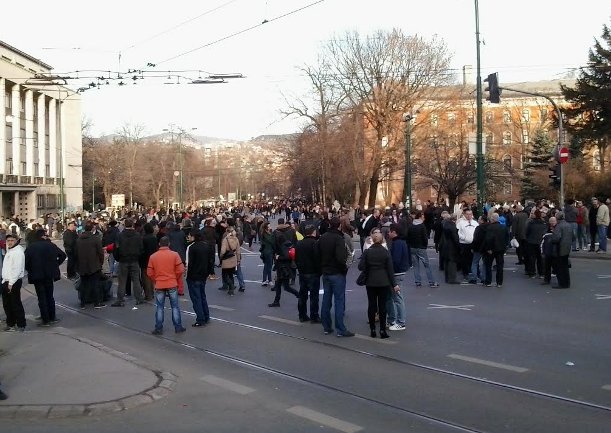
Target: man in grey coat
{"x": 562, "y": 239}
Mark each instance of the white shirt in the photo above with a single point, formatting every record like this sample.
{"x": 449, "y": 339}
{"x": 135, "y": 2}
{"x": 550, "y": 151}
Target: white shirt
{"x": 465, "y": 230}
{"x": 13, "y": 267}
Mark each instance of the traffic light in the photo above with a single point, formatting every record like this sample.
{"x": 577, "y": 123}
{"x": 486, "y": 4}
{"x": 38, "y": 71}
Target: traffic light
{"x": 555, "y": 175}
{"x": 494, "y": 92}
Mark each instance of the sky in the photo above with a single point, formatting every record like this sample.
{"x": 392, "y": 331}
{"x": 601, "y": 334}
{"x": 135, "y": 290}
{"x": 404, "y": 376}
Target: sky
{"x": 523, "y": 40}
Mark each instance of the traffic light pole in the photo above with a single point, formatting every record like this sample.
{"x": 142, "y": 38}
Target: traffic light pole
{"x": 479, "y": 148}
{"x": 560, "y": 144}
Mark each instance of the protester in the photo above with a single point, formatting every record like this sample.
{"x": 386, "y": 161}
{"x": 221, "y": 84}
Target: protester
{"x": 307, "y": 260}
{"x": 13, "y": 271}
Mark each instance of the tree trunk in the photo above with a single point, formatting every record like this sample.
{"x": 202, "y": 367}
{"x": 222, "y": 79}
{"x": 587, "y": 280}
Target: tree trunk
{"x": 373, "y": 188}
{"x": 452, "y": 201}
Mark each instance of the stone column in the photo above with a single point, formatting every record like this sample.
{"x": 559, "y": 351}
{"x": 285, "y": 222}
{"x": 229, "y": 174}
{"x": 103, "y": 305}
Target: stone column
{"x": 29, "y": 134}
{"x": 53, "y": 138}
{"x": 16, "y": 122}
{"x": 42, "y": 112}
{"x": 2, "y": 133}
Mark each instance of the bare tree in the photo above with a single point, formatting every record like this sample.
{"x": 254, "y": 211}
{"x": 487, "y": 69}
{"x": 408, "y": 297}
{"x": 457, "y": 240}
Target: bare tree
{"x": 130, "y": 140}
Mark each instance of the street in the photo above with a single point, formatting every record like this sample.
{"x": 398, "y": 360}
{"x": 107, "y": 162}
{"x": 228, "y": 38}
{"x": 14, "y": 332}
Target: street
{"x": 521, "y": 358}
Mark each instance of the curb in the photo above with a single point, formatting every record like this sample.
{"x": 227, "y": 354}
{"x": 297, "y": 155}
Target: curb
{"x": 166, "y": 383}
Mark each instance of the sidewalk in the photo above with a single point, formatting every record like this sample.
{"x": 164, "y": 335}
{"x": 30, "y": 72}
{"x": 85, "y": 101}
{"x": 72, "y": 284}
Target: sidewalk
{"x": 55, "y": 374}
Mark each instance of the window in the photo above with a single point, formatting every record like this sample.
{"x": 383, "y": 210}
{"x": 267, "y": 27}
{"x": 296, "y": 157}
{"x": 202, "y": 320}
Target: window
{"x": 35, "y": 169}
{"x": 47, "y": 170}
{"x": 525, "y": 139}
{"x": 208, "y": 151}
{"x": 22, "y": 103}
{"x": 452, "y": 118}
{"x": 40, "y": 201}
{"x": 470, "y": 118}
{"x": 23, "y": 167}
{"x": 434, "y": 120}
{"x": 489, "y": 138}
{"x": 507, "y": 188}
{"x": 489, "y": 116}
{"x": 507, "y": 162}
{"x": 35, "y": 110}
{"x": 51, "y": 201}
{"x": 8, "y": 101}
{"x": 526, "y": 115}
{"x": 506, "y": 117}
{"x": 35, "y": 139}
{"x": 507, "y": 138}
{"x": 9, "y": 166}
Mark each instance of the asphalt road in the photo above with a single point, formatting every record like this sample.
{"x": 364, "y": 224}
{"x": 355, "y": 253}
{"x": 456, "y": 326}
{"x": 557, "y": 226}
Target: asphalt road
{"x": 521, "y": 358}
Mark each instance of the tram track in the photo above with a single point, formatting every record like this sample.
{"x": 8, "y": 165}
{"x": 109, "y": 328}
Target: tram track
{"x": 419, "y": 414}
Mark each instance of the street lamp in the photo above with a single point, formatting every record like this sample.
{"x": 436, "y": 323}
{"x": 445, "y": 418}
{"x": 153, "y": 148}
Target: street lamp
{"x": 479, "y": 152}
{"x": 181, "y": 132}
{"x": 408, "y": 118}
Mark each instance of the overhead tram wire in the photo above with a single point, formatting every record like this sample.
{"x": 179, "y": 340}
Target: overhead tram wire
{"x": 232, "y": 35}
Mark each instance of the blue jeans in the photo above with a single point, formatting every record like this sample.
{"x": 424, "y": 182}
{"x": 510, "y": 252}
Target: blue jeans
{"x": 395, "y": 306}
{"x": 267, "y": 266}
{"x": 420, "y": 255}
{"x": 160, "y": 304}
{"x": 334, "y": 287}
{"x": 197, "y": 293}
{"x": 582, "y": 236}
{"x": 113, "y": 265}
{"x": 602, "y": 237}
{"x": 476, "y": 269}
{"x": 240, "y": 276}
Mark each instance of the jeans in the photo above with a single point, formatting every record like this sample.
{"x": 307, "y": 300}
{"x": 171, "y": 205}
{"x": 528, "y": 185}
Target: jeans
{"x": 499, "y": 258}
{"x": 113, "y": 265}
{"x": 420, "y": 255}
{"x": 46, "y": 302}
{"x": 160, "y": 304}
{"x": 268, "y": 261}
{"x": 197, "y": 293}
{"x": 574, "y": 226}
{"x": 582, "y": 236}
{"x": 240, "y": 276}
{"x": 395, "y": 305}
{"x": 309, "y": 286}
{"x": 476, "y": 270}
{"x": 602, "y": 237}
{"x": 131, "y": 271}
{"x": 334, "y": 287}
{"x": 13, "y": 308}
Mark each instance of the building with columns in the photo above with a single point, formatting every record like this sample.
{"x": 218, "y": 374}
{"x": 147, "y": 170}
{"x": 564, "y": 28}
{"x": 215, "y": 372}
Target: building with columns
{"x": 40, "y": 140}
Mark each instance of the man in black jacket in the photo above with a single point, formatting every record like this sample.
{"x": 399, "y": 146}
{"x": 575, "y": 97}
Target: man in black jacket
{"x": 150, "y": 246}
{"x": 494, "y": 247}
{"x": 333, "y": 256}
{"x": 200, "y": 264}
{"x": 128, "y": 251}
{"x": 308, "y": 264}
{"x": 42, "y": 260}
{"x": 89, "y": 259}
{"x": 69, "y": 237}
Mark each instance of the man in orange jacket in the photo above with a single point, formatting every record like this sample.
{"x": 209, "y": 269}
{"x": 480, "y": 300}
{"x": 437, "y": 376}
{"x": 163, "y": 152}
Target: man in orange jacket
{"x": 165, "y": 268}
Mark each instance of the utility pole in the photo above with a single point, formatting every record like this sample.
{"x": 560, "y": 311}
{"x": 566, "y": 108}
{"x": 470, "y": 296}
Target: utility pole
{"x": 407, "y": 176}
{"x": 479, "y": 155}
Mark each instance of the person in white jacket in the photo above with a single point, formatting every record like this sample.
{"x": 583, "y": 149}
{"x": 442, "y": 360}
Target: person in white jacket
{"x": 466, "y": 228}
{"x": 13, "y": 271}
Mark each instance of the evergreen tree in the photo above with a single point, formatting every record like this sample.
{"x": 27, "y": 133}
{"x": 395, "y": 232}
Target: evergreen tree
{"x": 535, "y": 183}
{"x": 589, "y": 117}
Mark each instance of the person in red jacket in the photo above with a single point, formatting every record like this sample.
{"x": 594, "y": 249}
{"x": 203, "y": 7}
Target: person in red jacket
{"x": 165, "y": 267}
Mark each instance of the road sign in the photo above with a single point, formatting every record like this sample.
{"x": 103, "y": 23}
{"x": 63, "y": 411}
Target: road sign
{"x": 564, "y": 155}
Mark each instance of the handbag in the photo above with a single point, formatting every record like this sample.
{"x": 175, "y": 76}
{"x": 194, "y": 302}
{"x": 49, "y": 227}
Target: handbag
{"x": 362, "y": 279}
{"x": 228, "y": 254}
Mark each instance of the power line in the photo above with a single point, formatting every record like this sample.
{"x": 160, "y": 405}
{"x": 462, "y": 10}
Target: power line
{"x": 241, "y": 31}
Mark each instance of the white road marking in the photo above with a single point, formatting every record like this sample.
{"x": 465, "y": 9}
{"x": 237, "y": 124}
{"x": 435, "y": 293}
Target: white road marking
{"x": 607, "y": 387}
{"x": 600, "y": 297}
{"x": 452, "y": 307}
{"x": 326, "y": 420}
{"x": 375, "y": 340}
{"x": 602, "y": 277}
{"x": 281, "y": 320}
{"x": 488, "y": 363}
{"x": 220, "y": 307}
{"x": 227, "y": 384}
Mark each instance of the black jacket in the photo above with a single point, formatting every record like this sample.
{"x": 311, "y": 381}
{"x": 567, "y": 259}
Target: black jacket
{"x": 42, "y": 260}
{"x": 307, "y": 258}
{"x": 479, "y": 236}
{"x": 496, "y": 238}
{"x": 178, "y": 243}
{"x": 128, "y": 247}
{"x": 200, "y": 260}
{"x": 110, "y": 235}
{"x": 70, "y": 238}
{"x": 535, "y": 229}
{"x": 333, "y": 253}
{"x": 377, "y": 263}
{"x": 416, "y": 236}
{"x": 449, "y": 245}
{"x": 89, "y": 254}
{"x": 149, "y": 247}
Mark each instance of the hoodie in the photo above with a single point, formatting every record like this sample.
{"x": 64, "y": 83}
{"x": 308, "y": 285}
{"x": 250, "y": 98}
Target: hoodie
{"x": 13, "y": 267}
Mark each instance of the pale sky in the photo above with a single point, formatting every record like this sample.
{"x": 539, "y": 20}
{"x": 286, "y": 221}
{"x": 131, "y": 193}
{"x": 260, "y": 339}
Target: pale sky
{"x": 524, "y": 40}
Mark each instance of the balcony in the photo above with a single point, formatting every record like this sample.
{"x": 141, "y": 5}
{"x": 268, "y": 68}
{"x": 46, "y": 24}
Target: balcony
{"x": 39, "y": 180}
{"x": 49, "y": 181}
{"x": 11, "y": 178}
{"x": 25, "y": 179}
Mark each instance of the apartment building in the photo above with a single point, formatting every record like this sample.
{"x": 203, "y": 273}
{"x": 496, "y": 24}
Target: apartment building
{"x": 40, "y": 139}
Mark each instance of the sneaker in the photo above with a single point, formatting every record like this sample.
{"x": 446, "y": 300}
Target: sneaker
{"x": 10, "y": 329}
{"x": 180, "y": 330}
{"x": 499, "y": 285}
{"x": 328, "y": 331}
{"x": 99, "y": 306}
{"x": 397, "y": 327}
{"x": 241, "y": 289}
{"x": 434, "y": 284}
{"x": 157, "y": 332}
{"x": 346, "y": 333}
{"x": 264, "y": 284}
{"x": 418, "y": 284}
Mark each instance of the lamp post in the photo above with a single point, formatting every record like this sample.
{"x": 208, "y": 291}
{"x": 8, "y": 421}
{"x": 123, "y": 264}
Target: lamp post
{"x": 407, "y": 177}
{"x": 479, "y": 148}
{"x": 181, "y": 132}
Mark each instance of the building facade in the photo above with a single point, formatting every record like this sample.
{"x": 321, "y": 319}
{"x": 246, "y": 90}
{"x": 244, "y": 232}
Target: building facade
{"x": 40, "y": 140}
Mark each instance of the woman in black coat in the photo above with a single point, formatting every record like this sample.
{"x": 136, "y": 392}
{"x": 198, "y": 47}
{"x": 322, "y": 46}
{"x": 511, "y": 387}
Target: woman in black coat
{"x": 377, "y": 264}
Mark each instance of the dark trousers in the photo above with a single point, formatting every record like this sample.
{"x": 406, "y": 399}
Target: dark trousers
{"x": 281, "y": 283}
{"x": 90, "y": 289}
{"x": 533, "y": 260}
{"x": 561, "y": 266}
{"x": 593, "y": 235}
{"x": 228, "y": 279}
{"x": 13, "y": 308}
{"x": 147, "y": 285}
{"x": 547, "y": 268}
{"x": 309, "y": 286}
{"x": 129, "y": 271}
{"x": 499, "y": 259}
{"x": 46, "y": 302}
{"x": 70, "y": 266}
{"x": 449, "y": 269}
{"x": 377, "y": 297}
{"x": 466, "y": 259}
